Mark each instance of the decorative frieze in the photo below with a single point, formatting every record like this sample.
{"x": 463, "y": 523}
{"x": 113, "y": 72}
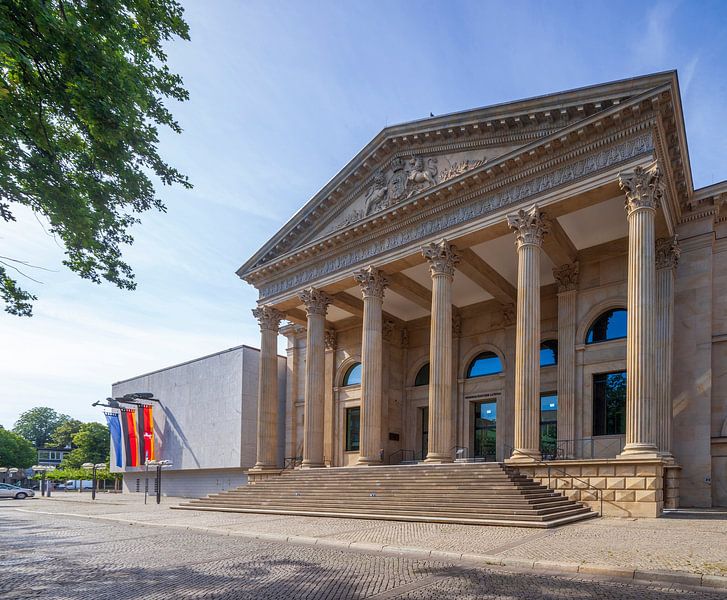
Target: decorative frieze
{"x": 387, "y": 330}
{"x": 566, "y": 276}
{"x": 268, "y": 317}
{"x": 456, "y": 323}
{"x": 404, "y": 337}
{"x": 643, "y": 188}
{"x": 530, "y": 225}
{"x": 667, "y": 253}
{"x": 463, "y": 209}
{"x": 442, "y": 256}
{"x": 373, "y": 282}
{"x": 316, "y": 301}
{"x": 330, "y": 339}
{"x": 509, "y": 313}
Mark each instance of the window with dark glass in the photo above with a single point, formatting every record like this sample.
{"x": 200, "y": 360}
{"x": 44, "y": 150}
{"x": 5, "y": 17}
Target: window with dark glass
{"x": 422, "y": 377}
{"x": 485, "y": 430}
{"x": 611, "y": 325}
{"x": 353, "y": 375}
{"x": 609, "y": 403}
{"x": 487, "y": 363}
{"x": 549, "y": 353}
{"x": 353, "y": 428}
{"x": 425, "y": 431}
{"x": 549, "y": 423}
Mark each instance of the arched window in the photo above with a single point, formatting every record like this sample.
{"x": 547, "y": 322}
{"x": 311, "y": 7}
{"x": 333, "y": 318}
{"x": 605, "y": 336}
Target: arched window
{"x": 486, "y": 363}
{"x": 549, "y": 353}
{"x": 422, "y": 377}
{"x": 611, "y": 325}
{"x": 353, "y": 375}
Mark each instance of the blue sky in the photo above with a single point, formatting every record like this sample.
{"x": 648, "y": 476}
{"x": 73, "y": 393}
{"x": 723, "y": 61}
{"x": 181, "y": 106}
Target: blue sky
{"x": 283, "y": 94}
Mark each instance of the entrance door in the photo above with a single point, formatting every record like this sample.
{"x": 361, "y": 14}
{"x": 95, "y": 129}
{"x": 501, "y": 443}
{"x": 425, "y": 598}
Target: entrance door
{"x": 485, "y": 434}
{"x": 425, "y": 432}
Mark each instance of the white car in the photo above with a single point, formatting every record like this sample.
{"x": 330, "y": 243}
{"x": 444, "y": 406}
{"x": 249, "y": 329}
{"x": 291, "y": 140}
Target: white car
{"x": 13, "y": 491}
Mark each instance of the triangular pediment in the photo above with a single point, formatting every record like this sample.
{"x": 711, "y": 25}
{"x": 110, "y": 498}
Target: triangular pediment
{"x": 406, "y": 160}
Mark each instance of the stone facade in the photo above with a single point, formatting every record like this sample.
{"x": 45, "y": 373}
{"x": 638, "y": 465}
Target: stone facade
{"x": 453, "y": 254}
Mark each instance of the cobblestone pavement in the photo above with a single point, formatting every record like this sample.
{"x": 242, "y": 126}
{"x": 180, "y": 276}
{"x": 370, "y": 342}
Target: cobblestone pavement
{"x": 67, "y": 557}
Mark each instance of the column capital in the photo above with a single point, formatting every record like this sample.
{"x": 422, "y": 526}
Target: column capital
{"x": 566, "y": 276}
{"x": 316, "y": 301}
{"x": 268, "y": 317}
{"x": 667, "y": 253}
{"x": 530, "y": 225}
{"x": 330, "y": 339}
{"x": 643, "y": 188}
{"x": 373, "y": 282}
{"x": 442, "y": 256}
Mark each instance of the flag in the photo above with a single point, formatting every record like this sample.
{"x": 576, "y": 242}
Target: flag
{"x": 112, "y": 420}
{"x": 131, "y": 437}
{"x": 145, "y": 425}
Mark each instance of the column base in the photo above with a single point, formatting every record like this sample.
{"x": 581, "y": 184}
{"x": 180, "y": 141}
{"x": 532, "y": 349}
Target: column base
{"x": 524, "y": 455}
{"x": 262, "y": 468}
{"x": 648, "y": 451}
{"x": 437, "y": 458}
{"x": 307, "y": 464}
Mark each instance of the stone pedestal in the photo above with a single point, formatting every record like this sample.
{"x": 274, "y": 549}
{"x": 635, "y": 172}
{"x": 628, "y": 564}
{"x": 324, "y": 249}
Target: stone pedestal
{"x": 372, "y": 282}
{"x": 442, "y": 258}
{"x": 267, "y": 406}
{"x": 643, "y": 194}
{"x": 316, "y": 305}
{"x": 567, "y": 278}
{"x": 530, "y": 227}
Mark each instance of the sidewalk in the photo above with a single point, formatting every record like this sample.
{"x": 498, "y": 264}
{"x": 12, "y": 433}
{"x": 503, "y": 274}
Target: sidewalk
{"x": 687, "y": 547}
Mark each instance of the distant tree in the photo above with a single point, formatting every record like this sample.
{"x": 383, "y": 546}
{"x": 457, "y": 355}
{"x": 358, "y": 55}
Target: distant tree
{"x": 82, "y": 91}
{"x": 91, "y": 445}
{"x": 15, "y": 450}
{"x": 37, "y": 424}
{"x": 62, "y": 435}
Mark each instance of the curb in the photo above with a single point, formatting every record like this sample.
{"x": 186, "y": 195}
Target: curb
{"x": 481, "y": 560}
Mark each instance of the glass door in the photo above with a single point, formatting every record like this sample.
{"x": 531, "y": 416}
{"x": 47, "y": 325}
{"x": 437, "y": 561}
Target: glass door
{"x": 485, "y": 434}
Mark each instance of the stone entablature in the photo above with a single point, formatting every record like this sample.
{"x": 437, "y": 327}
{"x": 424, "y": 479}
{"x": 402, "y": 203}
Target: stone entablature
{"x": 625, "y": 146}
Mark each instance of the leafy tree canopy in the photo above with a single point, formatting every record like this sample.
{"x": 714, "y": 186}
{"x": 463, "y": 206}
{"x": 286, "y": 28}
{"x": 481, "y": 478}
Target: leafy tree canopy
{"x": 38, "y": 424}
{"x": 91, "y": 445}
{"x": 15, "y": 450}
{"x": 82, "y": 85}
{"x": 62, "y": 435}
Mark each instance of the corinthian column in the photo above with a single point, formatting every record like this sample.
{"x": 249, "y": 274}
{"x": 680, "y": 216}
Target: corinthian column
{"x": 373, "y": 283}
{"x": 530, "y": 226}
{"x": 643, "y": 194}
{"x": 442, "y": 257}
{"x": 267, "y": 394}
{"x": 567, "y": 278}
{"x": 316, "y": 304}
{"x": 667, "y": 257}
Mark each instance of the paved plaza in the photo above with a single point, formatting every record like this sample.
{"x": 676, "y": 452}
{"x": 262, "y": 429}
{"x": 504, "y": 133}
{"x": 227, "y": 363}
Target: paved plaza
{"x": 116, "y": 547}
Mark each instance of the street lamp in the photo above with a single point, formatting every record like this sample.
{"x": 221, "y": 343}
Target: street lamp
{"x": 159, "y": 464}
{"x": 42, "y": 470}
{"x": 94, "y": 468}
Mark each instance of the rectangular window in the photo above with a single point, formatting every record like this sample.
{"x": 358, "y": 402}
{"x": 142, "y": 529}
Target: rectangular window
{"x": 609, "y": 403}
{"x": 353, "y": 427}
{"x": 549, "y": 423}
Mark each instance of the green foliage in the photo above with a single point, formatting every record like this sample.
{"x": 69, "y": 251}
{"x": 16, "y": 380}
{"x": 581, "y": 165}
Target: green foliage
{"x": 82, "y": 85}
{"x": 62, "y": 435}
{"x": 91, "y": 445}
{"x": 15, "y": 450}
{"x": 66, "y": 474}
{"x": 37, "y": 424}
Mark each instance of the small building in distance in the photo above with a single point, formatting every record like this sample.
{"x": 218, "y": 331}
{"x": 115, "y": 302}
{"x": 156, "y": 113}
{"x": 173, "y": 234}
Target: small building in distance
{"x": 52, "y": 456}
{"x": 204, "y": 423}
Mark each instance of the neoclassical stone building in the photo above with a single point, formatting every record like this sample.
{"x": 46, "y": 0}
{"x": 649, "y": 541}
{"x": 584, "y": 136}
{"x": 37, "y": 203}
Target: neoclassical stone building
{"x": 533, "y": 282}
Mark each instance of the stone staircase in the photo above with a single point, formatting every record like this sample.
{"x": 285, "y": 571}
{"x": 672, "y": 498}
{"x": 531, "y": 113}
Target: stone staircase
{"x": 468, "y": 493}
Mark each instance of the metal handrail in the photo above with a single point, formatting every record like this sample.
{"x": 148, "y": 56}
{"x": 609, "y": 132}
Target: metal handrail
{"x": 539, "y": 461}
{"x": 460, "y": 451}
{"x": 403, "y": 453}
{"x": 562, "y": 447}
{"x": 292, "y": 461}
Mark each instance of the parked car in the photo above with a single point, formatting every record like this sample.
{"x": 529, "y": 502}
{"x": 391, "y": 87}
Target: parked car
{"x": 13, "y": 491}
{"x": 75, "y": 484}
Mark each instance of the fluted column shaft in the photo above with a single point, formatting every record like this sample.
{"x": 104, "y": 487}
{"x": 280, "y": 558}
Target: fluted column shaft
{"x": 442, "y": 259}
{"x": 667, "y": 257}
{"x": 267, "y": 406}
{"x": 530, "y": 227}
{"x": 372, "y": 282}
{"x": 316, "y": 304}
{"x": 642, "y": 196}
{"x": 567, "y": 278}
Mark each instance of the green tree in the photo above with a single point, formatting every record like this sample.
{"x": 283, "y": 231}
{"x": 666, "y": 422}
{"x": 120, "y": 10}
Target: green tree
{"x": 15, "y": 450}
{"x": 82, "y": 86}
{"x": 62, "y": 435}
{"x": 37, "y": 424}
{"x": 91, "y": 445}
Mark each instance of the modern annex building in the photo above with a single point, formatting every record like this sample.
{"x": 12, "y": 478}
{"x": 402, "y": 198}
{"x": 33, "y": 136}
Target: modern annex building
{"x": 532, "y": 281}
